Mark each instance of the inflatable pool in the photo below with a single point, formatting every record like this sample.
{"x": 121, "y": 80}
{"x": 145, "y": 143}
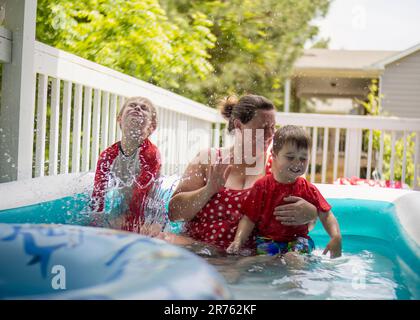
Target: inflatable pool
{"x": 375, "y": 222}
{"x": 71, "y": 262}
{"x": 49, "y": 254}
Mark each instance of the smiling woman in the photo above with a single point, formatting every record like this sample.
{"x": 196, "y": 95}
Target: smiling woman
{"x": 215, "y": 186}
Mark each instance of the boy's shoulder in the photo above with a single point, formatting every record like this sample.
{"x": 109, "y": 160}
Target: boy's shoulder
{"x": 263, "y": 184}
{"x": 303, "y": 182}
{"x": 149, "y": 152}
{"x": 110, "y": 152}
{"x": 307, "y": 188}
{"x": 263, "y": 180}
{"x": 311, "y": 193}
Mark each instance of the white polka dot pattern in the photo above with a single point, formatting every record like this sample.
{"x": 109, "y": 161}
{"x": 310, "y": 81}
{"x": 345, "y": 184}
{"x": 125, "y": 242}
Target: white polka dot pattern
{"x": 217, "y": 222}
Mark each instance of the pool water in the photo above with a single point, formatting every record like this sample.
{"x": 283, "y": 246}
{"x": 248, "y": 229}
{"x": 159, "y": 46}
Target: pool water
{"x": 379, "y": 261}
{"x": 367, "y": 270}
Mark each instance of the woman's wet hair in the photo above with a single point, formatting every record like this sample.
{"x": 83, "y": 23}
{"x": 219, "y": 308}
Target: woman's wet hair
{"x": 243, "y": 109}
{"x": 291, "y": 134}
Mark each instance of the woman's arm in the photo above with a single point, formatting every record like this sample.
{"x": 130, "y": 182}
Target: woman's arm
{"x": 199, "y": 183}
{"x": 185, "y": 204}
{"x": 297, "y": 212}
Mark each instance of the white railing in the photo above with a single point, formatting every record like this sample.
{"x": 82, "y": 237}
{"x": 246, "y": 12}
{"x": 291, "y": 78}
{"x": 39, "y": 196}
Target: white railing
{"x": 67, "y": 86}
{"x": 347, "y": 131}
{"x": 81, "y": 99}
{"x": 77, "y": 102}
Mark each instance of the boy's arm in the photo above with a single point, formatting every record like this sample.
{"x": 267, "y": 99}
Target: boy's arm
{"x": 243, "y": 232}
{"x": 330, "y": 224}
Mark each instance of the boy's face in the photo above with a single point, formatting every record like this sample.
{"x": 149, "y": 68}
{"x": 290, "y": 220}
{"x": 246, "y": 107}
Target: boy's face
{"x": 136, "y": 120}
{"x": 290, "y": 162}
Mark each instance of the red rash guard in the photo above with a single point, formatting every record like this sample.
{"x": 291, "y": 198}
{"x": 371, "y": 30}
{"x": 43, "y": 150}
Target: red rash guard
{"x": 267, "y": 194}
{"x": 150, "y": 163}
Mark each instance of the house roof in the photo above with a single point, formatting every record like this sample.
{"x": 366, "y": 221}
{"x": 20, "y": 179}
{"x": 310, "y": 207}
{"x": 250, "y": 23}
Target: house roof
{"x": 337, "y": 63}
{"x": 397, "y": 56}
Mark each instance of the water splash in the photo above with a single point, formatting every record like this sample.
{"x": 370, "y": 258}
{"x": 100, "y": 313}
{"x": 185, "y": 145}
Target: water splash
{"x": 78, "y": 208}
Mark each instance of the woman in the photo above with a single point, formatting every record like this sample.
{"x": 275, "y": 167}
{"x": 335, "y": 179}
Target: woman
{"x": 216, "y": 182}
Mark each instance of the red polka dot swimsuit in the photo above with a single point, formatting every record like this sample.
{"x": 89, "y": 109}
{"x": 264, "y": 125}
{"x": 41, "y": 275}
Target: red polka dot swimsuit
{"x": 217, "y": 221}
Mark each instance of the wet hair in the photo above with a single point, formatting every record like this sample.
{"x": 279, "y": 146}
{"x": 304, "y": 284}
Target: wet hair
{"x": 291, "y": 134}
{"x": 243, "y": 109}
{"x": 142, "y": 100}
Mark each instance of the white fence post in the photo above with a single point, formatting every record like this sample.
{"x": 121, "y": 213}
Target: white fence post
{"x": 216, "y": 135}
{"x": 287, "y": 88}
{"x": 18, "y": 93}
{"x": 353, "y": 152}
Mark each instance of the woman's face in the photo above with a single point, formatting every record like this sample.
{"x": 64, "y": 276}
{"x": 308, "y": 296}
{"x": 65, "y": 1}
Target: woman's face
{"x": 259, "y": 131}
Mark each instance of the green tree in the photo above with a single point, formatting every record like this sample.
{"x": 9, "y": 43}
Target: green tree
{"x": 322, "y": 43}
{"x": 134, "y": 37}
{"x": 203, "y": 49}
{"x": 257, "y": 42}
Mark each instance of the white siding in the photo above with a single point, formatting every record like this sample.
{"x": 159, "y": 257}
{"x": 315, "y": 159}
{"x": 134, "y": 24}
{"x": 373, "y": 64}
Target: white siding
{"x": 400, "y": 87}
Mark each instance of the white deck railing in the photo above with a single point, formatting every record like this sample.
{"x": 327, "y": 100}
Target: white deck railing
{"x": 184, "y": 128}
{"x": 348, "y": 132}
{"x": 77, "y": 102}
{"x": 70, "y": 87}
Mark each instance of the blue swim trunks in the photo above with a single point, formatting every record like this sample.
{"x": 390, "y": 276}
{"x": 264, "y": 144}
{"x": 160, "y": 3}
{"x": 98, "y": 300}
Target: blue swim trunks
{"x": 268, "y": 246}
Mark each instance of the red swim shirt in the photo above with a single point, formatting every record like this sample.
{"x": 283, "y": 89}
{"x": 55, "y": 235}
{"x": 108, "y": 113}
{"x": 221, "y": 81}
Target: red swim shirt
{"x": 266, "y": 194}
{"x": 150, "y": 163}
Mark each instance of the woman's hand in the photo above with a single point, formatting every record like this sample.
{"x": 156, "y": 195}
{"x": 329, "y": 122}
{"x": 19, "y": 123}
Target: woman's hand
{"x": 297, "y": 212}
{"x": 217, "y": 175}
{"x": 334, "y": 247}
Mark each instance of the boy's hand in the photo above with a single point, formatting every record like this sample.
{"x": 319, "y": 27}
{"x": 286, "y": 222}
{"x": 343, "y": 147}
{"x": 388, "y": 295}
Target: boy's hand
{"x": 150, "y": 230}
{"x": 234, "y": 247}
{"x": 334, "y": 247}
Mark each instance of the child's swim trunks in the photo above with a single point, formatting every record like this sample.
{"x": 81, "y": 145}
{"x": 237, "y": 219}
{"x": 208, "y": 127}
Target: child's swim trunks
{"x": 270, "y": 247}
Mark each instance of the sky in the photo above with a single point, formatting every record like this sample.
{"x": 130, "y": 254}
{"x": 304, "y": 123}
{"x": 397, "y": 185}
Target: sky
{"x": 372, "y": 24}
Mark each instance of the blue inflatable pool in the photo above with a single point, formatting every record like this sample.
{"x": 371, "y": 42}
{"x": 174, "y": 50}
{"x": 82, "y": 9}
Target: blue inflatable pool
{"x": 73, "y": 262}
{"x": 101, "y": 263}
{"x": 50, "y": 253}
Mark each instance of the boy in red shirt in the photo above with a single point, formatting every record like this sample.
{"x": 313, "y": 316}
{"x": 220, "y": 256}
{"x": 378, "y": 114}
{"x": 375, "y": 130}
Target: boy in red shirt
{"x": 290, "y": 152}
{"x": 129, "y": 166}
